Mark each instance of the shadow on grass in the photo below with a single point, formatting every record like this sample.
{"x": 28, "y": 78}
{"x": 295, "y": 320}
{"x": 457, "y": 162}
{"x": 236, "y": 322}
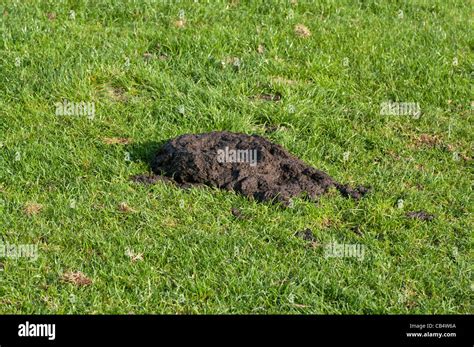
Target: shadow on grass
{"x": 144, "y": 152}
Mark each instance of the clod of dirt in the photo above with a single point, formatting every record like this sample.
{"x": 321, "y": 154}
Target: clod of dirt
{"x": 237, "y": 213}
{"x": 421, "y": 215}
{"x": 306, "y": 235}
{"x": 356, "y": 230}
{"x": 76, "y": 278}
{"x": 272, "y": 128}
{"x": 268, "y": 97}
{"x": 123, "y": 207}
{"x": 302, "y": 30}
{"x": 248, "y": 164}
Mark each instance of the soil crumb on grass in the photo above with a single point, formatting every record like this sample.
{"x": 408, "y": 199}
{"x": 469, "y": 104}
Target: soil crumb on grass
{"x": 247, "y": 164}
{"x": 356, "y": 229}
{"x": 302, "y": 30}
{"x": 237, "y": 213}
{"x": 123, "y": 207}
{"x": 306, "y": 234}
{"x": 421, "y": 215}
{"x": 76, "y": 278}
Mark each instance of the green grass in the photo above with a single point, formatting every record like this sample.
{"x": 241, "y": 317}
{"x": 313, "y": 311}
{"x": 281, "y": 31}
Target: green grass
{"x": 197, "y": 258}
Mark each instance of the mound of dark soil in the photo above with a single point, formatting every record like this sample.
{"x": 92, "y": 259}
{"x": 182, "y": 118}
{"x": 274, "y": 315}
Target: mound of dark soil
{"x": 250, "y": 165}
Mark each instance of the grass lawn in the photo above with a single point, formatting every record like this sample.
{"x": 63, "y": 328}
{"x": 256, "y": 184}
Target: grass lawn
{"x": 156, "y": 70}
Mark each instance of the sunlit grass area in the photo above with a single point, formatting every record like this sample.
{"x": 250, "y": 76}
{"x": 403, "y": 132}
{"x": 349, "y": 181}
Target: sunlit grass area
{"x": 155, "y": 70}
